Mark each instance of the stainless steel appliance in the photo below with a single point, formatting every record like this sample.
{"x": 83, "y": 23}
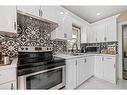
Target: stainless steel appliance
{"x": 38, "y": 69}
{"x": 92, "y": 49}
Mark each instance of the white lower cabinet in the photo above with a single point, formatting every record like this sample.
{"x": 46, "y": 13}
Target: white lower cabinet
{"x": 98, "y": 67}
{"x": 109, "y": 69}
{"x": 82, "y": 69}
{"x": 8, "y": 79}
{"x": 78, "y": 70}
{"x": 8, "y": 86}
{"x": 105, "y": 68}
{"x": 71, "y": 73}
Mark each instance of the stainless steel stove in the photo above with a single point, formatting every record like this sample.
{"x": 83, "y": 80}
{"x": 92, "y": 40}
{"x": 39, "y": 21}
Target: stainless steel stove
{"x": 38, "y": 69}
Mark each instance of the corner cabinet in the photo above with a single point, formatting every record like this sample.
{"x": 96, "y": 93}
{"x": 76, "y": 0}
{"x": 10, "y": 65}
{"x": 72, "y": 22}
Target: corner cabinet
{"x": 105, "y": 68}
{"x": 8, "y": 19}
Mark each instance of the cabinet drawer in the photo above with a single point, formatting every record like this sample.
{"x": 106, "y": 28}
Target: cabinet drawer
{"x": 109, "y": 59}
{"x": 7, "y": 75}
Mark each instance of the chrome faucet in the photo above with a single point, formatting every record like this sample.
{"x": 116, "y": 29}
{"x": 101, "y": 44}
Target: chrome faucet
{"x": 75, "y": 44}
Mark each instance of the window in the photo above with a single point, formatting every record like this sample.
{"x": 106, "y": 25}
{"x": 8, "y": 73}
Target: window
{"x": 75, "y": 38}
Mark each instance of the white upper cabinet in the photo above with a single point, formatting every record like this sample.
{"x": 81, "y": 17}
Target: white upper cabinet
{"x": 84, "y": 30}
{"x": 101, "y": 29}
{"x": 51, "y": 13}
{"x": 64, "y": 30}
{"x": 111, "y": 31}
{"x": 92, "y": 34}
{"x": 8, "y": 19}
{"x": 33, "y": 10}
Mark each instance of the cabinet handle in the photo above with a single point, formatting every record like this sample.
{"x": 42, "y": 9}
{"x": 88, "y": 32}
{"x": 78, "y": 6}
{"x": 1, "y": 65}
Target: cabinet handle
{"x": 65, "y": 35}
{"x": 15, "y": 25}
{"x": 76, "y": 62}
{"x": 96, "y": 39}
{"x": 85, "y": 60}
{"x": 114, "y": 66}
{"x": 39, "y": 12}
{"x": 108, "y": 58}
{"x": 105, "y": 38}
{"x": 12, "y": 86}
{"x": 102, "y": 58}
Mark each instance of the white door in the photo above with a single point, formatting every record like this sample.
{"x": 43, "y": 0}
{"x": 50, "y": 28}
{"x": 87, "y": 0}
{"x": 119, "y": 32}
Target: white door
{"x": 109, "y": 69}
{"x": 81, "y": 70}
{"x": 71, "y": 73}
{"x": 33, "y": 10}
{"x": 111, "y": 32}
{"x": 8, "y": 19}
{"x": 101, "y": 28}
{"x": 98, "y": 67}
{"x": 8, "y": 86}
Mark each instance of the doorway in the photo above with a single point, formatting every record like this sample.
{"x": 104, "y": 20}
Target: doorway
{"x": 124, "y": 41}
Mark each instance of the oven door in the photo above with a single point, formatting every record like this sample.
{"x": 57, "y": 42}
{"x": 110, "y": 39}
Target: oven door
{"x": 48, "y": 79}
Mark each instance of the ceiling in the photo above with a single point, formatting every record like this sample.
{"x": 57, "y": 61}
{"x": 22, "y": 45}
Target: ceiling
{"x": 95, "y": 13}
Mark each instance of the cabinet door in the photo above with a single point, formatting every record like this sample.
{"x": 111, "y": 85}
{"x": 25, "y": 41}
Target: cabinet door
{"x": 84, "y": 31}
{"x": 90, "y": 61}
{"x": 50, "y": 13}
{"x": 98, "y": 67}
{"x": 101, "y": 28}
{"x": 64, "y": 30}
{"x": 92, "y": 35}
{"x": 109, "y": 69}
{"x": 82, "y": 70}
{"x": 111, "y": 32}
{"x": 71, "y": 73}
{"x": 8, "y": 18}
{"x": 8, "y": 86}
{"x": 33, "y": 10}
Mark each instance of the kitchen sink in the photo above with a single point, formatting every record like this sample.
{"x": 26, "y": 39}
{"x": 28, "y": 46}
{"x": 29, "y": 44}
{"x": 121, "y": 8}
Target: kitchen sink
{"x": 76, "y": 54}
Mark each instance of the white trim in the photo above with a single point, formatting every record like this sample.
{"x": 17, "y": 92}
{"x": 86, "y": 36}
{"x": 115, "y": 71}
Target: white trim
{"x": 120, "y": 61}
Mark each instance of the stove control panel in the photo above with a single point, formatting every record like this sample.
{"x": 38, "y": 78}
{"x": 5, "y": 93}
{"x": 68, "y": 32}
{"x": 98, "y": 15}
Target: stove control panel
{"x": 33, "y": 49}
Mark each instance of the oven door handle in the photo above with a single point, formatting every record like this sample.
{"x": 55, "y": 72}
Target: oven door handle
{"x": 43, "y": 71}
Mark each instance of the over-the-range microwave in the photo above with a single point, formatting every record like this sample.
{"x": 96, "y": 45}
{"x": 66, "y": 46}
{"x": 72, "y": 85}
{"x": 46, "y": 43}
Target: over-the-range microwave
{"x": 92, "y": 49}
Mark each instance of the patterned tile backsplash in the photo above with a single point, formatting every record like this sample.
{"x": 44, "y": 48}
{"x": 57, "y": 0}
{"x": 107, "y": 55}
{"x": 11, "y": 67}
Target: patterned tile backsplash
{"x": 31, "y": 32}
